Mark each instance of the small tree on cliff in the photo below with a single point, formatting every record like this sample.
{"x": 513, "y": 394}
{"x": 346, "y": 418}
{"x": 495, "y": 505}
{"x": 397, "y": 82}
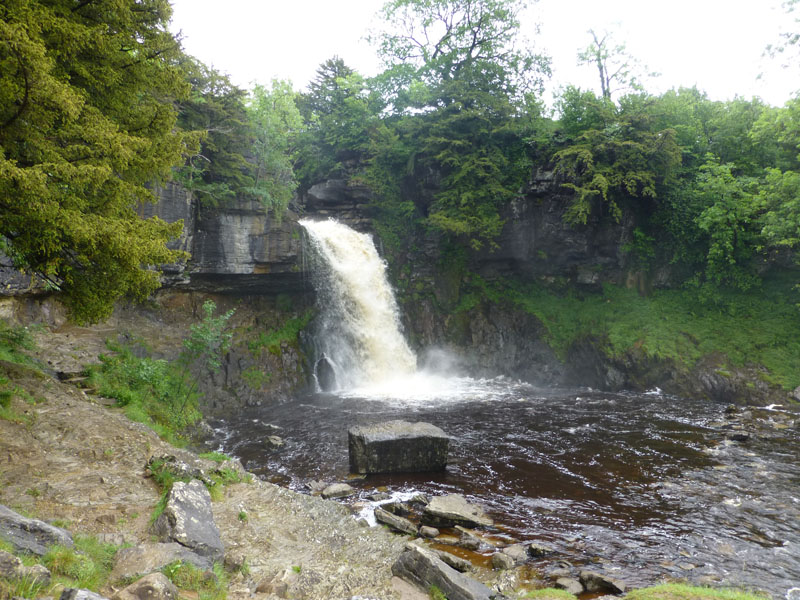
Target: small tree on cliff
{"x": 87, "y": 120}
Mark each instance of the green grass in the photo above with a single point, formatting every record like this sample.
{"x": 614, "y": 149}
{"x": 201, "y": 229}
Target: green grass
{"x": 217, "y": 457}
{"x": 151, "y": 391}
{"x": 187, "y": 577}
{"x": 272, "y": 340}
{"x": 758, "y": 328}
{"x": 550, "y": 594}
{"x": 679, "y": 591}
{"x": 87, "y": 565}
{"x": 436, "y": 594}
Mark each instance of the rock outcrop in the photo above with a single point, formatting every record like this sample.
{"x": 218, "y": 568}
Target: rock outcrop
{"x": 187, "y": 519}
{"x": 31, "y": 535}
{"x": 397, "y": 447}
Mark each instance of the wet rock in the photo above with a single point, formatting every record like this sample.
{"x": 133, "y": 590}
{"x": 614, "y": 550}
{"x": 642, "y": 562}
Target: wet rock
{"x": 539, "y": 550}
{"x": 573, "y": 586}
{"x": 275, "y": 441}
{"x": 338, "y": 490}
{"x": 454, "y": 509}
{"x": 316, "y": 487}
{"x": 152, "y": 587}
{"x": 739, "y": 436}
{"x": 11, "y": 568}
{"x": 502, "y": 562}
{"x": 147, "y": 558}
{"x": 326, "y": 376}
{"x": 467, "y": 539}
{"x": 188, "y": 520}
{"x": 517, "y": 552}
{"x": 597, "y": 582}
{"x": 462, "y": 565}
{"x": 31, "y": 535}
{"x": 397, "y": 447}
{"x": 76, "y": 594}
{"x": 796, "y": 397}
{"x": 423, "y": 568}
{"x": 378, "y": 497}
{"x": 396, "y": 522}
{"x": 428, "y": 532}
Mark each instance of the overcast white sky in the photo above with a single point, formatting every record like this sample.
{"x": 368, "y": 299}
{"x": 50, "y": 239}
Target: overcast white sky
{"x": 716, "y": 44}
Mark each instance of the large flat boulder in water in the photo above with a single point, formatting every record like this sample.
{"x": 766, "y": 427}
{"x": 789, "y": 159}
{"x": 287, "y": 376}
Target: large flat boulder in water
{"x": 397, "y": 447}
{"x": 453, "y": 509}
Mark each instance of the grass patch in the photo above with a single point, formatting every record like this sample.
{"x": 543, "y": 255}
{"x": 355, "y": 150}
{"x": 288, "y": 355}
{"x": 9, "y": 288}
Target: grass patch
{"x": 149, "y": 390}
{"x": 679, "y": 591}
{"x": 550, "y": 594}
{"x": 217, "y": 457}
{"x": 207, "y": 585}
{"x": 87, "y": 565}
{"x": 748, "y": 328}
{"x": 272, "y": 340}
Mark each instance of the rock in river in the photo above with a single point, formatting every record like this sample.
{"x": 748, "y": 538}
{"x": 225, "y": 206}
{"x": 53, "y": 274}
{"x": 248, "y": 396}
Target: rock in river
{"x": 397, "y": 447}
{"x": 454, "y": 509}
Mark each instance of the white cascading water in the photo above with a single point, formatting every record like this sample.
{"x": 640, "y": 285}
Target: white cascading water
{"x": 359, "y": 332}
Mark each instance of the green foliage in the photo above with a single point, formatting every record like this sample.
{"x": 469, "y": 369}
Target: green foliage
{"x": 86, "y": 122}
{"x": 217, "y": 457}
{"x": 159, "y": 393}
{"x": 272, "y": 340}
{"x": 218, "y": 171}
{"x": 339, "y": 111}
{"x": 86, "y": 566}
{"x": 680, "y": 591}
{"x": 208, "y": 585}
{"x": 434, "y": 593}
{"x": 630, "y": 157}
{"x": 676, "y": 325}
{"x": 276, "y": 122}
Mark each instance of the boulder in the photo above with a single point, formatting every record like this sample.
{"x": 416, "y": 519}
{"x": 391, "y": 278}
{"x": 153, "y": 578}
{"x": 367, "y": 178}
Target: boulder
{"x": 188, "y": 520}
{"x": 462, "y": 565}
{"x": 396, "y": 522}
{"x": 453, "y": 509}
{"x": 423, "y": 568}
{"x": 597, "y": 582}
{"x": 539, "y": 550}
{"x": 338, "y": 490}
{"x": 11, "y": 568}
{"x": 155, "y": 586}
{"x": 31, "y": 535}
{"x": 397, "y": 447}
{"x": 428, "y": 532}
{"x": 502, "y": 561}
{"x": 76, "y": 594}
{"x": 147, "y": 558}
{"x": 573, "y": 586}
{"x": 517, "y": 552}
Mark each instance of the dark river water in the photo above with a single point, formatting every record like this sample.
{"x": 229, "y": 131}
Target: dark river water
{"x": 645, "y": 487}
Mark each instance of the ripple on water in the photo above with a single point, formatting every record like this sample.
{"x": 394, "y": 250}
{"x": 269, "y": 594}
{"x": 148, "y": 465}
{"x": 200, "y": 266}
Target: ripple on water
{"x": 645, "y": 483}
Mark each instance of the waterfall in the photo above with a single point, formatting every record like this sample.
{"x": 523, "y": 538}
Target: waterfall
{"x": 358, "y": 336}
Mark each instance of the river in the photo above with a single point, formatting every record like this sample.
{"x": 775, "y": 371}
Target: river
{"x": 644, "y": 487}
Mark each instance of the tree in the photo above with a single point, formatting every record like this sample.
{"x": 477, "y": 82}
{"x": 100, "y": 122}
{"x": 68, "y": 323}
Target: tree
{"x": 457, "y": 79}
{"x": 87, "y": 121}
{"x": 219, "y": 171}
{"x": 616, "y": 68}
{"x": 339, "y": 112}
{"x": 276, "y": 122}
{"x": 431, "y": 41}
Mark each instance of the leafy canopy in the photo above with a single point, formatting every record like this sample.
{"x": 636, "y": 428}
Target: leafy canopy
{"x": 87, "y": 120}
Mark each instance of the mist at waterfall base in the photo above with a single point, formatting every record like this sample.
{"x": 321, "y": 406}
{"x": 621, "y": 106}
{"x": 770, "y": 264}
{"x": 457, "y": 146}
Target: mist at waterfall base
{"x": 641, "y": 486}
